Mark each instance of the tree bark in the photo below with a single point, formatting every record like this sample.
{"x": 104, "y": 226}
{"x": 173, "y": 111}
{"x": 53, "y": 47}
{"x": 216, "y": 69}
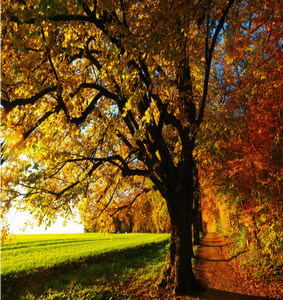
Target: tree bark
{"x": 200, "y": 222}
{"x": 196, "y": 223}
{"x": 196, "y": 219}
{"x": 178, "y": 274}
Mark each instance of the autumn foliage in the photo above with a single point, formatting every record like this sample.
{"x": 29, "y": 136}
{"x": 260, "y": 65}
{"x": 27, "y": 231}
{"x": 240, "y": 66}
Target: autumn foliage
{"x": 148, "y": 214}
{"x": 101, "y": 104}
{"x": 107, "y": 106}
{"x": 242, "y": 174}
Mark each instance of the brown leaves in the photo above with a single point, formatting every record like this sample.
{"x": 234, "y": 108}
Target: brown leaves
{"x": 225, "y": 279}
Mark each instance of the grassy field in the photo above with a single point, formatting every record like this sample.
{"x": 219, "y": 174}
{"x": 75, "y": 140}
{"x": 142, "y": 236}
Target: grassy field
{"x": 131, "y": 270}
{"x": 27, "y": 252}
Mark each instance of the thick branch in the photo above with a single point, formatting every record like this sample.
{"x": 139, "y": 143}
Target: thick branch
{"x": 126, "y": 171}
{"x": 88, "y": 110}
{"x": 31, "y": 100}
{"x": 86, "y": 85}
{"x": 57, "y": 18}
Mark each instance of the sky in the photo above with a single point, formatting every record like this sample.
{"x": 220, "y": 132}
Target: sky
{"x": 17, "y": 220}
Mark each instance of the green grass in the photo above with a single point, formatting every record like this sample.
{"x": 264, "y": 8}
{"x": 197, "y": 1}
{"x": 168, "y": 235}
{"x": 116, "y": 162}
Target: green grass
{"x": 128, "y": 273}
{"x": 115, "y": 275}
{"x": 27, "y": 252}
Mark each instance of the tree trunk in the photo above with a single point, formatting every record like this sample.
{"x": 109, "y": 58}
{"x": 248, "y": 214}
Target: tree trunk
{"x": 196, "y": 220}
{"x": 200, "y": 222}
{"x": 178, "y": 274}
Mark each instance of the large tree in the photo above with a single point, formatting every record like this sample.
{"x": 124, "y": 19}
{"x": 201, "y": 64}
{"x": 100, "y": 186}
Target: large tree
{"x": 103, "y": 96}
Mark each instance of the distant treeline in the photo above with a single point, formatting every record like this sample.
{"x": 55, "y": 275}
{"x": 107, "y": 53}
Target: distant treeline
{"x": 150, "y": 217}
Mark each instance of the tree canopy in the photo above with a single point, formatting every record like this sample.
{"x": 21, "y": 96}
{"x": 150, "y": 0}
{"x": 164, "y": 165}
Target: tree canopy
{"x": 102, "y": 85}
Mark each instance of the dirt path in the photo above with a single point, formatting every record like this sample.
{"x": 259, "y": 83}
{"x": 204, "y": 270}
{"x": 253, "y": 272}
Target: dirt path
{"x": 214, "y": 269}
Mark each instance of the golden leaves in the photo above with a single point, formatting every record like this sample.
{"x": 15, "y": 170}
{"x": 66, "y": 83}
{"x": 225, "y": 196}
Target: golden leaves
{"x": 115, "y": 70}
{"x": 13, "y": 138}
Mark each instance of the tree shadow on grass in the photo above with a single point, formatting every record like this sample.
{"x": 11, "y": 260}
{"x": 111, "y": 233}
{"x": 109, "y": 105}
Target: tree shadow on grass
{"x": 95, "y": 270}
{"x": 214, "y": 294}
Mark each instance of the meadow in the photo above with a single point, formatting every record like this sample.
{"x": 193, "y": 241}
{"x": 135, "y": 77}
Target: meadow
{"x": 93, "y": 266}
{"x": 30, "y": 251}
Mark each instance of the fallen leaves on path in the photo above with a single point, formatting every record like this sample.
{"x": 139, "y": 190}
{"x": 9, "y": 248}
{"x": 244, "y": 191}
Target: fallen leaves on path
{"x": 224, "y": 279}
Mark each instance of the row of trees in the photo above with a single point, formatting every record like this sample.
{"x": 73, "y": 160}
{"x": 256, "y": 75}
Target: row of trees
{"x": 149, "y": 214}
{"x": 103, "y": 104}
{"x": 242, "y": 165}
